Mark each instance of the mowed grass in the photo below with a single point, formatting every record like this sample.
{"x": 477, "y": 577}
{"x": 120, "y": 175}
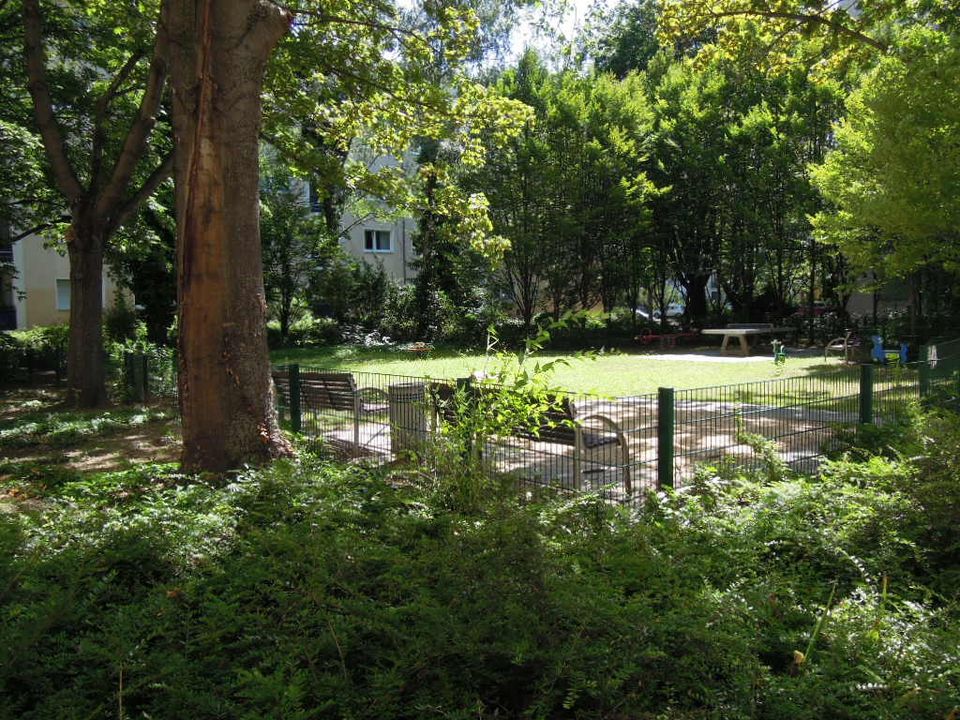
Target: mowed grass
{"x": 613, "y": 374}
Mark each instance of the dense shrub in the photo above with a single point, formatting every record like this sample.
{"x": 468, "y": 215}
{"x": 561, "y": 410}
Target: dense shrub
{"x": 10, "y": 355}
{"x": 351, "y": 291}
{"x": 120, "y": 322}
{"x": 43, "y": 338}
{"x": 398, "y": 320}
{"x": 129, "y": 346}
{"x": 310, "y": 331}
{"x": 311, "y": 590}
{"x": 40, "y": 348}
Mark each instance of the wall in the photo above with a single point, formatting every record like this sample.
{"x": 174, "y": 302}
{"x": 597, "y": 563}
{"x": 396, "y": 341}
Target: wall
{"x": 396, "y": 262}
{"x": 38, "y": 269}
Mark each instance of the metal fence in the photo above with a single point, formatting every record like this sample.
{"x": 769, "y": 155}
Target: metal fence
{"x": 582, "y": 442}
{"x": 620, "y": 447}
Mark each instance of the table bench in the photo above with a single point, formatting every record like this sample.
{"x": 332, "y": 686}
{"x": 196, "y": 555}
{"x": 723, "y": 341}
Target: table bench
{"x": 742, "y": 332}
{"x": 667, "y": 340}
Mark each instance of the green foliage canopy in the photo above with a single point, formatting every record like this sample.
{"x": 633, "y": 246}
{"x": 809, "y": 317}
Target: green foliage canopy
{"x": 895, "y": 175}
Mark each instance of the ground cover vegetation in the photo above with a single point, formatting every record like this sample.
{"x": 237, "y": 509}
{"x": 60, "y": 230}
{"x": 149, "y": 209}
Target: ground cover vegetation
{"x": 310, "y": 589}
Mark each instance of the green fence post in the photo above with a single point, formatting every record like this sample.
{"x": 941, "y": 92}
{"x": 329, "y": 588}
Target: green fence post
{"x": 666, "y": 416}
{"x": 136, "y": 375}
{"x": 464, "y": 393}
{"x": 866, "y": 394}
{"x": 146, "y": 377}
{"x": 923, "y": 372}
{"x": 295, "y": 417}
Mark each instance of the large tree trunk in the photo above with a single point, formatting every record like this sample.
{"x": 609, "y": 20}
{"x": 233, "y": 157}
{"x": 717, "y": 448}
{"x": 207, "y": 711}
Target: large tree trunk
{"x": 219, "y": 49}
{"x": 696, "y": 288}
{"x": 85, "y": 369}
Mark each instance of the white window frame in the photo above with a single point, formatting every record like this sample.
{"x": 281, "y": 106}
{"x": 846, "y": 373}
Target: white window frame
{"x": 374, "y": 236}
{"x": 59, "y": 298}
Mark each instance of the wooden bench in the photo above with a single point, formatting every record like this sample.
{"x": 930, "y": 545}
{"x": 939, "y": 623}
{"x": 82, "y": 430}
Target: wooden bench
{"x": 667, "y": 340}
{"x": 334, "y": 391}
{"x": 743, "y": 331}
{"x": 559, "y": 424}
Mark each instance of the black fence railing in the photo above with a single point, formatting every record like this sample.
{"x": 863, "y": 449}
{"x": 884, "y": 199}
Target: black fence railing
{"x": 620, "y": 447}
{"x": 132, "y": 376}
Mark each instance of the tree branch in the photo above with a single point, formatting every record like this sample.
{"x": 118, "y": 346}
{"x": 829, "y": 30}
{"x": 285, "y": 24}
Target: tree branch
{"x": 135, "y": 143}
{"x": 63, "y": 173}
{"x": 39, "y": 227}
{"x": 273, "y": 21}
{"x": 398, "y": 33}
{"x": 163, "y": 171}
{"x": 328, "y": 19}
{"x": 100, "y": 114}
{"x": 342, "y": 72}
{"x": 808, "y": 18}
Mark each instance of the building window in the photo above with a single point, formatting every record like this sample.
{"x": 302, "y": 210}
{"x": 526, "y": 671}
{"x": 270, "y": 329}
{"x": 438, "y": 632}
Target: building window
{"x": 6, "y": 249}
{"x": 63, "y": 294}
{"x": 377, "y": 241}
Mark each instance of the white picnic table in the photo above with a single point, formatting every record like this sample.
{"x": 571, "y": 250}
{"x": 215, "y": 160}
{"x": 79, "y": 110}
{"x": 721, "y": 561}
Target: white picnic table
{"x": 742, "y": 332}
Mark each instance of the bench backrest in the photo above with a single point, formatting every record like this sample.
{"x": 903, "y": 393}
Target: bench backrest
{"x": 444, "y": 398}
{"x": 320, "y": 390}
{"x": 750, "y": 326}
{"x": 555, "y": 425}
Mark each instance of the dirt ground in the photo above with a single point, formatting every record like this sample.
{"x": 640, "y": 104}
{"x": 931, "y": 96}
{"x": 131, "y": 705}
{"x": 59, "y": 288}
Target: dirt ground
{"x": 155, "y": 441}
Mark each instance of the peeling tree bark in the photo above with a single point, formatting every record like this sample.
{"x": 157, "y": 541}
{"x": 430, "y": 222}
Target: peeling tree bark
{"x": 218, "y": 54}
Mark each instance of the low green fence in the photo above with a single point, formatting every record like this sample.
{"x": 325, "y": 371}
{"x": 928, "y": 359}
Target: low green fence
{"x": 141, "y": 377}
{"x": 132, "y": 376}
{"x": 627, "y": 445}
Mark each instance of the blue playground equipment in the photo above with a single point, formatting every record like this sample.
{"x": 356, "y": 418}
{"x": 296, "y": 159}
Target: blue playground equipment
{"x": 883, "y": 356}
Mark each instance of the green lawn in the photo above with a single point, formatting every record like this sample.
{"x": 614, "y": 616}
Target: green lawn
{"x": 615, "y": 374}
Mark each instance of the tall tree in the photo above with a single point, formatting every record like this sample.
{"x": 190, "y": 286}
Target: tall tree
{"x": 894, "y": 178}
{"x": 296, "y": 241}
{"x": 514, "y": 180}
{"x": 96, "y": 97}
{"x": 218, "y": 53}
{"x": 690, "y": 129}
{"x": 439, "y": 249}
{"x": 142, "y": 258}
{"x": 570, "y": 191}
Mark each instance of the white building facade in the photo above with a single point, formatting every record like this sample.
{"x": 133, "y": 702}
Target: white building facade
{"x": 37, "y": 292}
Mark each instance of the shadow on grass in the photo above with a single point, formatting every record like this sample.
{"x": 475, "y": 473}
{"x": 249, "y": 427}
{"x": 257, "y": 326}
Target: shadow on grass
{"x": 332, "y": 357}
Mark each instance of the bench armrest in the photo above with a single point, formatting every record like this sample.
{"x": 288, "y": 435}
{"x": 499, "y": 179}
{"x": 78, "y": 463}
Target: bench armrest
{"x": 607, "y": 422}
{"x": 615, "y": 428}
